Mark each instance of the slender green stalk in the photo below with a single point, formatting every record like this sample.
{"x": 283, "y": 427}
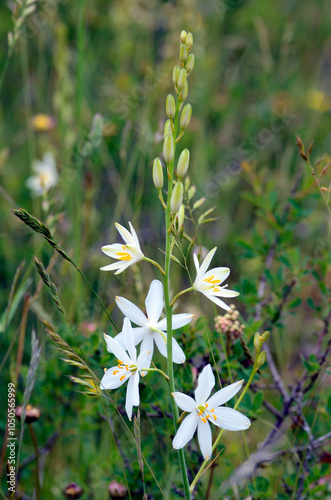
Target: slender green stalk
{"x": 36, "y": 449}
{"x": 155, "y": 370}
{"x": 179, "y": 294}
{"x": 204, "y": 465}
{"x": 168, "y": 307}
{"x": 154, "y": 264}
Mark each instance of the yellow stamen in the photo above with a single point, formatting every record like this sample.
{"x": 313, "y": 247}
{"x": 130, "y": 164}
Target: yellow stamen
{"x": 124, "y": 256}
{"x": 215, "y": 418}
{"x": 210, "y": 280}
{"x": 115, "y": 371}
{"x": 208, "y": 416}
{"x": 122, "y": 377}
{"x": 204, "y": 420}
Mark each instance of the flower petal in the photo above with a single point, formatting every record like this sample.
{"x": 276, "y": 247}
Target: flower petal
{"x": 230, "y": 420}
{"x": 114, "y": 378}
{"x": 116, "y": 349}
{"x": 186, "y": 431}
{"x": 205, "y": 439}
{"x": 139, "y": 333}
{"x": 112, "y": 267}
{"x": 147, "y": 345}
{"x": 178, "y": 355}
{"x": 217, "y": 301}
{"x": 112, "y": 250}
{"x": 132, "y": 311}
{"x": 154, "y": 301}
{"x": 128, "y": 340}
{"x": 132, "y": 394}
{"x": 220, "y": 273}
{"x": 134, "y": 235}
{"x": 207, "y": 261}
{"x": 206, "y": 382}
{"x": 225, "y": 292}
{"x": 126, "y": 235}
{"x": 223, "y": 395}
{"x": 178, "y": 320}
{"x": 184, "y": 402}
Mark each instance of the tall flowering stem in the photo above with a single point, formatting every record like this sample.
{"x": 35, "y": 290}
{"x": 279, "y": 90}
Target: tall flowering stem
{"x": 175, "y": 412}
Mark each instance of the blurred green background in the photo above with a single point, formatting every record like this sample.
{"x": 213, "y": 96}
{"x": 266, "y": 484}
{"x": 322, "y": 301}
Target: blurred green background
{"x": 262, "y": 77}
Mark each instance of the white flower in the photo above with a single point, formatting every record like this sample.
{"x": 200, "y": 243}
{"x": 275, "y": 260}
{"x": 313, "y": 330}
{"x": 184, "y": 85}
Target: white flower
{"x": 46, "y": 175}
{"x": 151, "y": 329}
{"x": 203, "y": 410}
{"x": 208, "y": 282}
{"x": 126, "y": 254}
{"x": 128, "y": 367}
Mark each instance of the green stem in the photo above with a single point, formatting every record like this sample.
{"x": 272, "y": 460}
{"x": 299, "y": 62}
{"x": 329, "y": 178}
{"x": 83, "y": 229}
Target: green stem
{"x": 175, "y": 413}
{"x": 35, "y": 444}
{"x": 5, "y": 68}
{"x": 154, "y": 264}
{"x": 179, "y": 294}
{"x": 203, "y": 466}
{"x": 155, "y": 370}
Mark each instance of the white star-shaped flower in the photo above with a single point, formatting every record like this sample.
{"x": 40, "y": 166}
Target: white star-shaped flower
{"x": 150, "y": 328}
{"x": 208, "y": 282}
{"x": 128, "y": 368}
{"x": 203, "y": 410}
{"x": 127, "y": 254}
{"x": 45, "y": 177}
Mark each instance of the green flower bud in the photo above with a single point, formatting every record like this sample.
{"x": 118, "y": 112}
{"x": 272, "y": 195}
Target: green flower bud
{"x": 158, "y": 173}
{"x": 187, "y": 183}
{"x": 180, "y": 218}
{"x": 189, "y": 40}
{"x": 265, "y": 336}
{"x": 176, "y": 197}
{"x": 184, "y": 92}
{"x": 191, "y": 192}
{"x": 167, "y": 128}
{"x": 183, "y": 53}
{"x": 190, "y": 63}
{"x": 199, "y": 203}
{"x": 182, "y": 79}
{"x": 183, "y": 36}
{"x": 261, "y": 359}
{"x": 183, "y": 162}
{"x": 170, "y": 106}
{"x": 185, "y": 117}
{"x": 257, "y": 341}
{"x": 168, "y": 148}
{"x": 175, "y": 75}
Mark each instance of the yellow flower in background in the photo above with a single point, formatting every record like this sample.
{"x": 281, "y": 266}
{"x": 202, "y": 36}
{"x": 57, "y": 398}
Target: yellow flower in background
{"x": 43, "y": 123}
{"x": 318, "y": 101}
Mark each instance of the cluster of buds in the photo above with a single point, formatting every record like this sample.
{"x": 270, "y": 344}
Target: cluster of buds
{"x": 258, "y": 343}
{"x": 229, "y": 324}
{"x": 178, "y": 119}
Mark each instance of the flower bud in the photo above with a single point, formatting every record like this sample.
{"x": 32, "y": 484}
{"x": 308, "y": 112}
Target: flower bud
{"x": 265, "y": 336}
{"x": 187, "y": 183}
{"x": 176, "y": 197}
{"x": 184, "y": 92}
{"x": 183, "y": 53}
{"x": 189, "y": 40}
{"x": 261, "y": 359}
{"x": 175, "y": 75}
{"x": 182, "y": 79}
{"x": 157, "y": 174}
{"x": 117, "y": 490}
{"x": 167, "y": 128}
{"x": 199, "y": 203}
{"x": 73, "y": 491}
{"x": 180, "y": 218}
{"x": 170, "y": 106}
{"x": 190, "y": 63}
{"x": 183, "y": 162}
{"x": 257, "y": 341}
{"x": 191, "y": 192}
{"x": 168, "y": 148}
{"x": 185, "y": 117}
{"x": 183, "y": 36}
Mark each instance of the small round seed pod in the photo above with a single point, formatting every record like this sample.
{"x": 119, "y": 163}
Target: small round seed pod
{"x": 176, "y": 197}
{"x": 168, "y": 148}
{"x": 190, "y": 63}
{"x": 170, "y": 106}
{"x": 182, "y": 79}
{"x": 183, "y": 162}
{"x": 185, "y": 117}
{"x": 157, "y": 174}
